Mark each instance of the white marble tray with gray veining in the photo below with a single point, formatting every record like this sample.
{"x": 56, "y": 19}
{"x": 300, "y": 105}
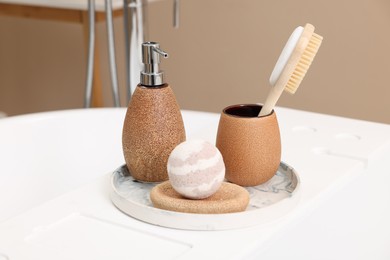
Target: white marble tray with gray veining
{"x": 268, "y": 202}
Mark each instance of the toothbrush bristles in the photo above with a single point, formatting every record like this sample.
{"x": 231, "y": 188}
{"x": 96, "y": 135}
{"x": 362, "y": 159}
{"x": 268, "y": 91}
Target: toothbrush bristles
{"x": 304, "y": 63}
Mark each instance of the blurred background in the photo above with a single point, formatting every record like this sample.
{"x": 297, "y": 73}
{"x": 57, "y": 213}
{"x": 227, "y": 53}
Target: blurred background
{"x": 222, "y": 54}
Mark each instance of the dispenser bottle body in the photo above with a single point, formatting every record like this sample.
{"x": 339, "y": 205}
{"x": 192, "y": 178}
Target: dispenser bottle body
{"x": 153, "y": 127}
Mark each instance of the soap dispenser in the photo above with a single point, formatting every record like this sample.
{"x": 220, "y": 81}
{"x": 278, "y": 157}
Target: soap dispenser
{"x": 153, "y": 125}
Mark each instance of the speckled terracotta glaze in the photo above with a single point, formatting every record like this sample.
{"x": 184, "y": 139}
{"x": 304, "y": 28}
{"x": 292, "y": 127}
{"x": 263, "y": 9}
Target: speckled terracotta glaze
{"x": 250, "y": 145}
{"x": 153, "y": 127}
{"x": 228, "y": 199}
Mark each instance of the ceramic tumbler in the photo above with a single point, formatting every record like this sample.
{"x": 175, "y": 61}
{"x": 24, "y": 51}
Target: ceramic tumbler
{"x": 250, "y": 145}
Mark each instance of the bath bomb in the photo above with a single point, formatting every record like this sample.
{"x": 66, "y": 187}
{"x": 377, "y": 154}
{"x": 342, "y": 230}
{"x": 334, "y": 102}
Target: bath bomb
{"x": 196, "y": 169}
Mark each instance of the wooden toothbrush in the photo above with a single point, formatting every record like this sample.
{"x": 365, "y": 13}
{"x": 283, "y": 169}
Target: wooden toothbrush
{"x": 292, "y": 65}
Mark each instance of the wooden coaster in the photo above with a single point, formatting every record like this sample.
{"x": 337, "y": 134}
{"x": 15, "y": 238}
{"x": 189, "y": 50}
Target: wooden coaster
{"x": 228, "y": 199}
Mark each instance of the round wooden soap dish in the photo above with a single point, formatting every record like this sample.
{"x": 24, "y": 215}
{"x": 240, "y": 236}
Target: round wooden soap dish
{"x": 228, "y": 199}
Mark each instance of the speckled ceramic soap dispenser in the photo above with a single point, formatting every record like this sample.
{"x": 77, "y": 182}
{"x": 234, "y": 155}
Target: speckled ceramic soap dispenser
{"x": 153, "y": 126}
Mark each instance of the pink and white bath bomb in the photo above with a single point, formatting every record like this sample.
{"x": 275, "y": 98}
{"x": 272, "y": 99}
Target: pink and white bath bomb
{"x": 196, "y": 169}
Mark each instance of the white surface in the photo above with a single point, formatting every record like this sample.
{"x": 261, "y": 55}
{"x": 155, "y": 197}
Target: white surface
{"x": 353, "y": 224}
{"x": 54, "y": 210}
{"x": 62, "y": 149}
{"x": 68, "y": 4}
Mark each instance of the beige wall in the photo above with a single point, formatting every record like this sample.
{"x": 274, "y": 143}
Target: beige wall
{"x": 223, "y": 53}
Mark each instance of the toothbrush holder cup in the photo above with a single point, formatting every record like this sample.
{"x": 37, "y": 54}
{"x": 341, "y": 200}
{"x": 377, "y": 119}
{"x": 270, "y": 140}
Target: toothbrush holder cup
{"x": 250, "y": 145}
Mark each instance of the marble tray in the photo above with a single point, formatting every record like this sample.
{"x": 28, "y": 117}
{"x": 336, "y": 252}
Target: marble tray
{"x": 268, "y": 202}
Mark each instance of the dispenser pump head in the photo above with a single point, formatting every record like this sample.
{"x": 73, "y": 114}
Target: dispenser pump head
{"x": 151, "y": 75}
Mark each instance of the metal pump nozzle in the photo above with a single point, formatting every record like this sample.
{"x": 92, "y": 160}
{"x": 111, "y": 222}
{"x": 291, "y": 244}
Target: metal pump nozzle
{"x": 151, "y": 75}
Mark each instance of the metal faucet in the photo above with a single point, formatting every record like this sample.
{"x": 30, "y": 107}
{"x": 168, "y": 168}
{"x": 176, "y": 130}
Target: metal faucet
{"x": 91, "y": 51}
{"x": 135, "y": 27}
{"x": 176, "y": 13}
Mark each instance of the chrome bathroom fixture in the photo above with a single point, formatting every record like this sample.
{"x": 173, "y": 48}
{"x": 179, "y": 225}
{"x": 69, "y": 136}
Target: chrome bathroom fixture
{"x": 135, "y": 17}
{"x": 135, "y": 24}
{"x": 176, "y": 13}
{"x": 91, "y": 56}
{"x": 111, "y": 53}
{"x": 135, "y": 30}
{"x": 91, "y": 51}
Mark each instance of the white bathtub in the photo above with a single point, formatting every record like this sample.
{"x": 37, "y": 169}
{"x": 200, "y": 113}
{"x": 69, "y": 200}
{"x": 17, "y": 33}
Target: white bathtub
{"x": 44, "y": 155}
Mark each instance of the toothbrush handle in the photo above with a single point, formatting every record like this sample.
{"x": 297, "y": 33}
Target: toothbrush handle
{"x": 272, "y": 98}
